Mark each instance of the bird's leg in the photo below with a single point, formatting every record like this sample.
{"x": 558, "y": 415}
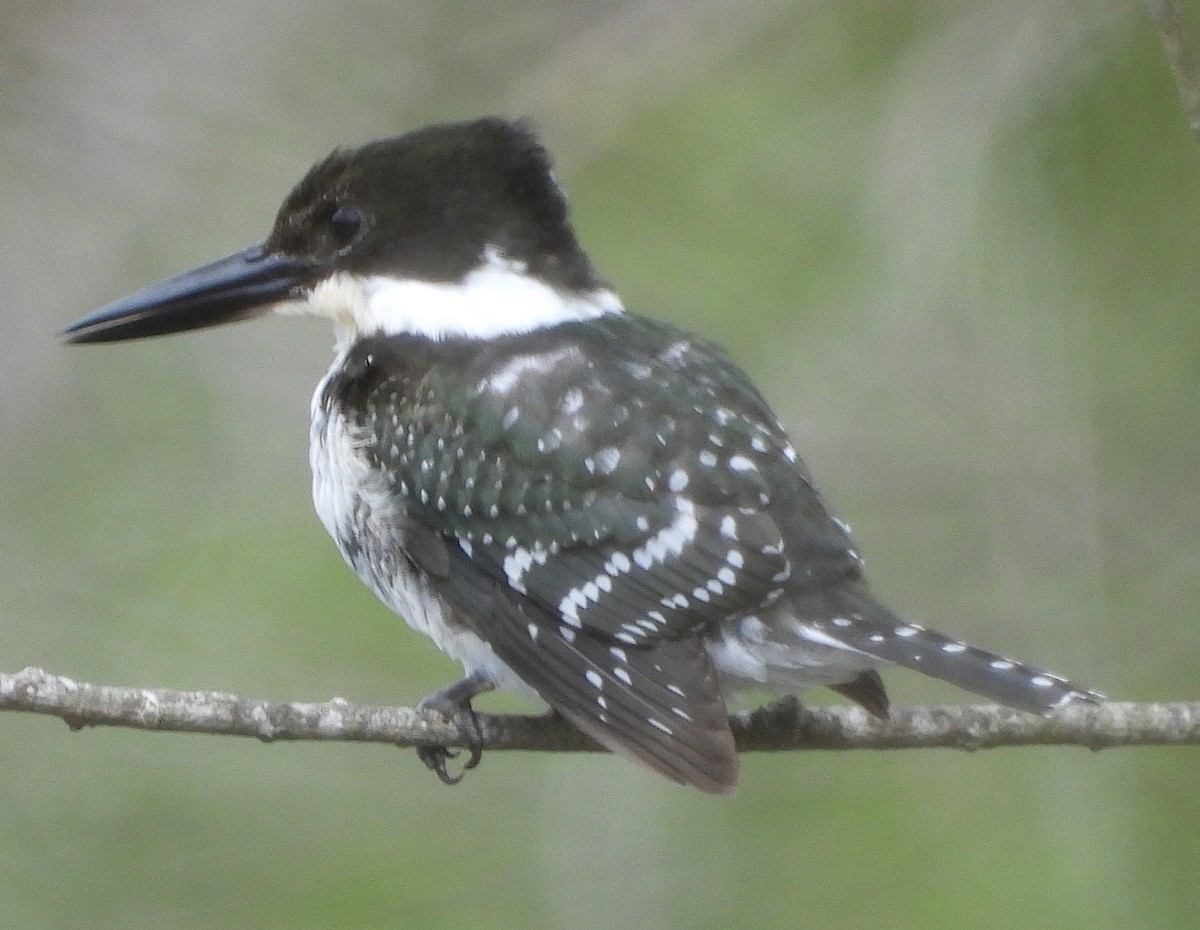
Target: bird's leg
{"x": 454, "y": 703}
{"x": 786, "y": 709}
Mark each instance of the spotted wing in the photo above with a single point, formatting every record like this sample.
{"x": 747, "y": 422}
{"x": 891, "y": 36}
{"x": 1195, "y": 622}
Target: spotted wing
{"x": 657, "y": 704}
{"x": 591, "y": 521}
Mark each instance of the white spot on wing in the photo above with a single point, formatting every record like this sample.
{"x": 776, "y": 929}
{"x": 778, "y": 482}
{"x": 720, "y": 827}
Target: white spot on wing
{"x": 821, "y": 638}
{"x": 568, "y": 611}
{"x": 511, "y": 373}
{"x": 607, "y": 460}
{"x": 572, "y": 401}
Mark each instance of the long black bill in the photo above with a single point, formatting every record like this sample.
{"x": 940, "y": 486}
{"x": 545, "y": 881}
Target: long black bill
{"x": 239, "y": 286}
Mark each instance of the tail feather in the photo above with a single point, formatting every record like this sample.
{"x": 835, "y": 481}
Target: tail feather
{"x": 866, "y": 626}
{"x": 867, "y": 692}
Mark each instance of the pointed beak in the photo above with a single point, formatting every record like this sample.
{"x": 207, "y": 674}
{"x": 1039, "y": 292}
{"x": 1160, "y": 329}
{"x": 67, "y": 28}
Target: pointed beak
{"x": 243, "y": 285}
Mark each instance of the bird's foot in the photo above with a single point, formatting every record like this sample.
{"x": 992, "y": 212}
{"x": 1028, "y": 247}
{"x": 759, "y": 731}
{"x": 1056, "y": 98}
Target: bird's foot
{"x": 783, "y": 711}
{"x": 454, "y": 703}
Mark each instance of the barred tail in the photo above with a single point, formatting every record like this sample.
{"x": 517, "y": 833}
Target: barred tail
{"x": 867, "y": 627}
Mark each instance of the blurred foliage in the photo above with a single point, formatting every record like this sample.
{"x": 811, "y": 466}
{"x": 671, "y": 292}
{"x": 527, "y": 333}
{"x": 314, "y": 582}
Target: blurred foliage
{"x": 954, "y": 242}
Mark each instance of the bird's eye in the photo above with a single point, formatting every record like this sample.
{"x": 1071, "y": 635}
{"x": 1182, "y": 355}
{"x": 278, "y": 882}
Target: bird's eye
{"x": 344, "y": 223}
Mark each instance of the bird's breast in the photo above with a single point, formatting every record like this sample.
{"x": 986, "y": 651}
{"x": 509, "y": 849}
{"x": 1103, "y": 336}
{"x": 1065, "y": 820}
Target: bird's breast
{"x": 352, "y": 498}
{"x": 367, "y": 520}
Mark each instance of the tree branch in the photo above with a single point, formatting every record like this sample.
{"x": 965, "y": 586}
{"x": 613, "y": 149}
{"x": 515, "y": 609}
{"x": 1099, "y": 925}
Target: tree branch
{"x": 782, "y": 726}
{"x": 1169, "y": 21}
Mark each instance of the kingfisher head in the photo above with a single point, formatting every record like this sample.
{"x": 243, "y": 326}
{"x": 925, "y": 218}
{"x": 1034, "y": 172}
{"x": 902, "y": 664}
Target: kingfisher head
{"x": 454, "y": 230}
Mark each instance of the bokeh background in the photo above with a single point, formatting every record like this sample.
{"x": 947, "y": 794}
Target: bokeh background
{"x": 956, "y": 243}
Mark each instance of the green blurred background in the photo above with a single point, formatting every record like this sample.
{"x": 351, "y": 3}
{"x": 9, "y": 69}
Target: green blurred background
{"x": 956, "y": 245}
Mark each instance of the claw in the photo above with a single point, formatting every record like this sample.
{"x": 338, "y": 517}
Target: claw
{"x": 454, "y": 703}
{"x": 435, "y": 758}
{"x": 473, "y": 735}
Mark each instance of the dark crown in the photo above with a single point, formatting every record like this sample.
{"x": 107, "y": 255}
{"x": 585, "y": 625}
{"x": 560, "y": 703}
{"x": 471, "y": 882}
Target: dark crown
{"x": 428, "y": 204}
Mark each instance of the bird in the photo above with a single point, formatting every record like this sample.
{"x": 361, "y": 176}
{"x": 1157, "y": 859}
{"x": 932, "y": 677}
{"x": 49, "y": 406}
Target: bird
{"x": 577, "y": 502}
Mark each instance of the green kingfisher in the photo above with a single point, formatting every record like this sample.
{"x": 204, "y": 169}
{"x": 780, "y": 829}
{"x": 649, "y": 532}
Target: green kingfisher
{"x": 577, "y": 503}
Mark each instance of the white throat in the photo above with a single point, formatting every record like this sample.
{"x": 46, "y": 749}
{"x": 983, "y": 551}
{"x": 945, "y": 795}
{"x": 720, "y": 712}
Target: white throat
{"x": 498, "y": 298}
